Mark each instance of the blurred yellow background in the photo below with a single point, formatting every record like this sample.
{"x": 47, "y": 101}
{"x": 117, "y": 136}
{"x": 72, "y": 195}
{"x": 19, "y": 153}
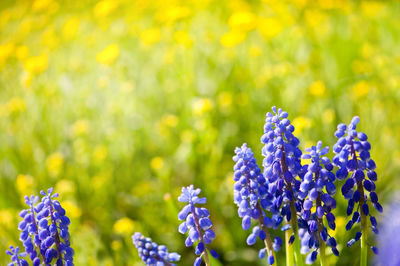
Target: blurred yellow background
{"x": 117, "y": 104}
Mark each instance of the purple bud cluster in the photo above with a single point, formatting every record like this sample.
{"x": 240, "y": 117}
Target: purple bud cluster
{"x": 17, "y": 259}
{"x": 355, "y": 166}
{"x": 197, "y": 223}
{"x": 152, "y": 253}
{"x": 282, "y": 164}
{"x": 44, "y": 230}
{"x": 252, "y": 197}
{"x": 317, "y": 189}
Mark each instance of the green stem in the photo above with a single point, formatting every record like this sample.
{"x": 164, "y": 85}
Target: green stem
{"x": 267, "y": 240}
{"x": 322, "y": 256}
{"x": 206, "y": 260}
{"x": 364, "y": 247}
{"x": 293, "y": 220}
{"x": 296, "y": 247}
{"x": 289, "y": 249}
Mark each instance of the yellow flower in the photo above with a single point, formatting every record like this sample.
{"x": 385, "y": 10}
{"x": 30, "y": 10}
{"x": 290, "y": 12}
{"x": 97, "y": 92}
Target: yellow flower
{"x": 314, "y": 17}
{"x": 71, "y": 209}
{"x": 367, "y": 50}
{"x": 5, "y": 52}
{"x": 15, "y": 105}
{"x": 50, "y": 38}
{"x": 232, "y": 38}
{"x": 108, "y": 55}
{"x": 157, "y": 163}
{"x": 100, "y": 153}
{"x": 104, "y": 8}
{"x": 6, "y": 217}
{"x": 300, "y": 123}
{"x": 24, "y": 184}
{"x": 150, "y": 36}
{"x": 169, "y": 120}
{"x": 41, "y": 4}
{"x": 80, "y": 127}
{"x": 201, "y": 106}
{"x": 361, "y": 89}
{"x": 361, "y": 66}
{"x": 70, "y": 28}
{"x": 173, "y": 13}
{"x": 242, "y": 20}
{"x": 225, "y": 100}
{"x": 36, "y": 64}
{"x": 340, "y": 224}
{"x": 372, "y": 8}
{"x": 54, "y": 163}
{"x": 255, "y": 51}
{"x": 22, "y": 52}
{"x": 317, "y": 88}
{"x": 270, "y": 27}
{"x": 182, "y": 37}
{"x": 124, "y": 226}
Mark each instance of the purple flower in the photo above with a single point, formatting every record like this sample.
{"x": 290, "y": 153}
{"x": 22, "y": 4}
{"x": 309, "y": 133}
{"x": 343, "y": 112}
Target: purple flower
{"x": 317, "y": 180}
{"x": 358, "y": 169}
{"x": 44, "y": 230}
{"x": 282, "y": 166}
{"x": 252, "y": 197}
{"x": 196, "y": 222}
{"x": 17, "y": 259}
{"x": 152, "y": 253}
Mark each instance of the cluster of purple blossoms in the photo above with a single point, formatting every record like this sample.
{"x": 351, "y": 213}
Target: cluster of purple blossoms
{"x": 317, "y": 189}
{"x": 197, "y": 223}
{"x": 252, "y": 197}
{"x": 44, "y": 231}
{"x": 282, "y": 164}
{"x": 17, "y": 259}
{"x": 152, "y": 253}
{"x": 353, "y": 157}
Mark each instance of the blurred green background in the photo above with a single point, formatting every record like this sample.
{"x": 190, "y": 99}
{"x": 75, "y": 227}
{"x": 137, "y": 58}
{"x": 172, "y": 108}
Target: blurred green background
{"x": 118, "y": 104}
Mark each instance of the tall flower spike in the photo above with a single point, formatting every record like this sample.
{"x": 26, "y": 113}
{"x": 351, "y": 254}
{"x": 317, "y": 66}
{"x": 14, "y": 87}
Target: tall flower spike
{"x": 318, "y": 203}
{"x": 44, "y": 229}
{"x": 30, "y": 232}
{"x": 53, "y": 225}
{"x": 282, "y": 166}
{"x": 152, "y": 253}
{"x": 197, "y": 223}
{"x": 353, "y": 157}
{"x": 251, "y": 195}
{"x": 17, "y": 259}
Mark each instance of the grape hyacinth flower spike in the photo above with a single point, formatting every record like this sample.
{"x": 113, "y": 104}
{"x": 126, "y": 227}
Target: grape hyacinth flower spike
{"x": 197, "y": 223}
{"x": 282, "y": 166}
{"x": 152, "y": 253}
{"x": 30, "y": 232}
{"x": 45, "y": 234}
{"x": 251, "y": 195}
{"x": 353, "y": 157}
{"x": 318, "y": 203}
{"x": 17, "y": 259}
